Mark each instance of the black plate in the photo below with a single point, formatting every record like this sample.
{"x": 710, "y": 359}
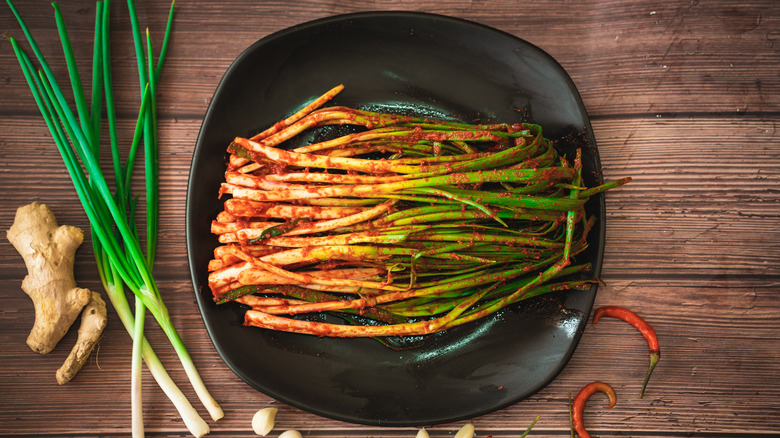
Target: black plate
{"x": 429, "y": 64}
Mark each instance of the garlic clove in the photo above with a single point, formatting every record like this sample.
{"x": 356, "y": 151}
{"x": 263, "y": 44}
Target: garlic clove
{"x": 422, "y": 433}
{"x": 263, "y": 421}
{"x": 467, "y": 431}
{"x": 290, "y": 434}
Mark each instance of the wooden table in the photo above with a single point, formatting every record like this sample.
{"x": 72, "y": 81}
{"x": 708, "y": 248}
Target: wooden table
{"x": 684, "y": 96}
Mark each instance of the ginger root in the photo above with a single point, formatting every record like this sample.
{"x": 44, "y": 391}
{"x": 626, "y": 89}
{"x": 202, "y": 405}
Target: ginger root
{"x": 48, "y": 251}
{"x": 93, "y": 321}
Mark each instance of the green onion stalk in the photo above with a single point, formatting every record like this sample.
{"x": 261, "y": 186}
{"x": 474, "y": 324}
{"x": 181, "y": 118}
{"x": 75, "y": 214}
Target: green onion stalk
{"x": 401, "y": 226}
{"x": 120, "y": 256}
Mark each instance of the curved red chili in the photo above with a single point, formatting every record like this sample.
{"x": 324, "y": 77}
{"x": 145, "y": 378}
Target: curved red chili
{"x": 640, "y": 324}
{"x": 578, "y": 406}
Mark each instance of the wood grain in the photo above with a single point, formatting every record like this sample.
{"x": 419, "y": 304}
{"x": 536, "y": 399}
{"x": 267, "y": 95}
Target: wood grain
{"x": 715, "y": 373}
{"x": 684, "y": 96}
{"x": 704, "y": 192}
{"x": 646, "y": 58}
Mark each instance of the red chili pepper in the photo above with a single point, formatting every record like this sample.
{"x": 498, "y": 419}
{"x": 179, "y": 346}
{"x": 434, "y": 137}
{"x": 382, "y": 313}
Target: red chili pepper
{"x": 578, "y": 406}
{"x": 646, "y": 329}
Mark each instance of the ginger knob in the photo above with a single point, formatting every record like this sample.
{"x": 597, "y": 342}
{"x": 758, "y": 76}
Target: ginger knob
{"x": 48, "y": 251}
{"x": 93, "y": 321}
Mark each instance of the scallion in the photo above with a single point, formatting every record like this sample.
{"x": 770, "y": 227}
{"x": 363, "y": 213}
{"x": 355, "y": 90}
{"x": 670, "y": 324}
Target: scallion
{"x": 462, "y": 219}
{"x": 120, "y": 256}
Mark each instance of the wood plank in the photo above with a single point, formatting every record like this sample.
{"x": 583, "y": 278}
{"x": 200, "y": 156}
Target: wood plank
{"x": 711, "y": 378}
{"x": 637, "y": 58}
{"x": 704, "y": 194}
{"x": 703, "y": 200}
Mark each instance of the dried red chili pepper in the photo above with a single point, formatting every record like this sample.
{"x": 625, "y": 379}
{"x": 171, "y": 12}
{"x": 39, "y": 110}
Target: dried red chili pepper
{"x": 578, "y": 406}
{"x": 646, "y": 329}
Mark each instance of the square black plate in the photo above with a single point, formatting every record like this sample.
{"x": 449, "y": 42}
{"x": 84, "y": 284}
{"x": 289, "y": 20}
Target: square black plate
{"x": 429, "y": 65}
